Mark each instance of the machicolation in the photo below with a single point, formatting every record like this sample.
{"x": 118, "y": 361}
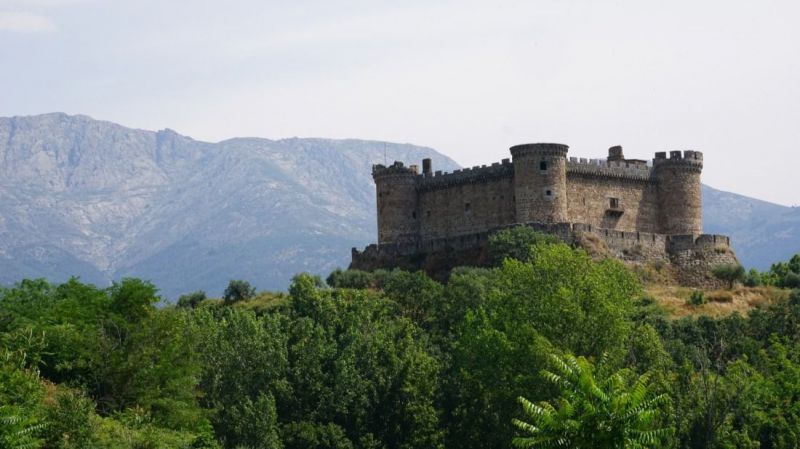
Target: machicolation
{"x": 642, "y": 211}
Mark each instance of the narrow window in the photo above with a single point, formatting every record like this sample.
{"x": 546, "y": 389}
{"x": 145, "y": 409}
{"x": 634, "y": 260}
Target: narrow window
{"x": 428, "y": 214}
{"x": 548, "y": 193}
{"x": 414, "y": 215}
{"x": 543, "y": 165}
{"x": 614, "y": 203}
{"x": 467, "y": 207}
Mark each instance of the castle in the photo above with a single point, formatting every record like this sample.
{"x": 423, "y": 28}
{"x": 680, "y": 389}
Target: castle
{"x": 640, "y": 212}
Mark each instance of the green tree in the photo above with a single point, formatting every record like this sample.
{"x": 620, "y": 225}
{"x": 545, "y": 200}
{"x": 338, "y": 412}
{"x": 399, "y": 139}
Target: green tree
{"x": 560, "y": 300}
{"x": 133, "y": 299}
{"x": 591, "y": 412}
{"x": 191, "y": 300}
{"x": 730, "y": 273}
{"x": 753, "y": 278}
{"x": 238, "y": 290}
{"x": 516, "y": 243}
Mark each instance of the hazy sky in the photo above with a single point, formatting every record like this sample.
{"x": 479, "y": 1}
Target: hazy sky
{"x": 467, "y": 78}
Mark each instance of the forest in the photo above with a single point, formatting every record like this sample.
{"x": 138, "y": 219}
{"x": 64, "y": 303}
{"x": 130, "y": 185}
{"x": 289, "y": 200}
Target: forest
{"x": 548, "y": 348}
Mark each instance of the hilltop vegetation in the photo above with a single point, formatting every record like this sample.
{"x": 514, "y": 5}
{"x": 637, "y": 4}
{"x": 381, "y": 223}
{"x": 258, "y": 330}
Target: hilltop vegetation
{"x": 397, "y": 360}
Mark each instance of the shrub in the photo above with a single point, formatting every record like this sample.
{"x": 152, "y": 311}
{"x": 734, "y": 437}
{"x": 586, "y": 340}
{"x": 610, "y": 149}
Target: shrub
{"x": 791, "y": 280}
{"x": 350, "y": 279}
{"x": 697, "y": 298}
{"x": 69, "y": 420}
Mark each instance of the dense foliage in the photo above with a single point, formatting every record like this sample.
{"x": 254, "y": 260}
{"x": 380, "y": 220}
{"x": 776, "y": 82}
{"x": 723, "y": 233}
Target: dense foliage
{"x": 391, "y": 360}
{"x": 592, "y": 411}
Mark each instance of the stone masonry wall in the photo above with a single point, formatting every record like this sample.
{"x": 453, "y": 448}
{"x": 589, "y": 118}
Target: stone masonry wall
{"x": 466, "y": 208}
{"x": 589, "y": 199}
{"x": 693, "y": 258}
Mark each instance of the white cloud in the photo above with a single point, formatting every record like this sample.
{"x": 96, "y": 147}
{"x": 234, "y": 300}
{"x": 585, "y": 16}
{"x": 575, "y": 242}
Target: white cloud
{"x": 24, "y": 22}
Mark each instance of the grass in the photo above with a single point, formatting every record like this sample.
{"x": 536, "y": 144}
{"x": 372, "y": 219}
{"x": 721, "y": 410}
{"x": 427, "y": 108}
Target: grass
{"x": 719, "y": 303}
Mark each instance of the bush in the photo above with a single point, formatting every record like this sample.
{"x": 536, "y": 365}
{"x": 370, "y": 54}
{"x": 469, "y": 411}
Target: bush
{"x": 697, "y": 298}
{"x": 69, "y": 420}
{"x": 238, "y": 290}
{"x": 792, "y": 280}
{"x": 350, "y": 279}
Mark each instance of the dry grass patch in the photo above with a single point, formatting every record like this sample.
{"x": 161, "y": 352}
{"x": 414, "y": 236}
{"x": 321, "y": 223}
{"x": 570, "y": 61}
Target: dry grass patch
{"x": 719, "y": 303}
{"x": 593, "y": 245}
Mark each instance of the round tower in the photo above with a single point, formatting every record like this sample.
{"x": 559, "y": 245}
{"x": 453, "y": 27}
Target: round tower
{"x": 396, "y": 191}
{"x": 540, "y": 182}
{"x": 679, "y": 197}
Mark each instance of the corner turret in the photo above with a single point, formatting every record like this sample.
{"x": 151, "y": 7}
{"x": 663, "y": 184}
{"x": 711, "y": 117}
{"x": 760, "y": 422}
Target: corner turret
{"x": 397, "y": 200}
{"x": 679, "y": 196}
{"x": 540, "y": 182}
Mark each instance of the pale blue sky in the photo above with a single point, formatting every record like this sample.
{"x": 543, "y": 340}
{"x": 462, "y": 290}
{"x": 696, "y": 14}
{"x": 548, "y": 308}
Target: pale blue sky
{"x": 467, "y": 78}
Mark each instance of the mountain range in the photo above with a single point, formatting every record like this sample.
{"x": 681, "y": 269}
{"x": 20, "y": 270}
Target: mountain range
{"x": 98, "y": 200}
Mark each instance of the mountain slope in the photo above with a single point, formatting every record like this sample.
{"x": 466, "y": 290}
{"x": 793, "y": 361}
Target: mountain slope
{"x": 762, "y": 233}
{"x": 92, "y": 198}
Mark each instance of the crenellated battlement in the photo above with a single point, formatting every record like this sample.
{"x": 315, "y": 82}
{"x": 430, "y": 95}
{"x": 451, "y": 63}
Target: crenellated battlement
{"x": 477, "y": 174}
{"x": 637, "y": 170}
{"x": 687, "y": 160}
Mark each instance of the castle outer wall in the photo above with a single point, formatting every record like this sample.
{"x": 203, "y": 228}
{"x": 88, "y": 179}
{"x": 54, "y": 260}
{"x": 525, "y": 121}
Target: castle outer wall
{"x": 433, "y": 211}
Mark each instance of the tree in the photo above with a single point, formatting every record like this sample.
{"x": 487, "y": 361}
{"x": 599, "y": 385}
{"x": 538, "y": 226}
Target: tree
{"x": 753, "y": 278}
{"x": 133, "y": 299}
{"x": 730, "y": 273}
{"x": 591, "y": 413}
{"x": 191, "y": 300}
{"x": 560, "y": 300}
{"x": 516, "y": 243}
{"x": 238, "y": 290}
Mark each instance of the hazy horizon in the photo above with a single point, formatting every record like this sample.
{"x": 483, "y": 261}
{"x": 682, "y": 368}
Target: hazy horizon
{"x": 466, "y": 79}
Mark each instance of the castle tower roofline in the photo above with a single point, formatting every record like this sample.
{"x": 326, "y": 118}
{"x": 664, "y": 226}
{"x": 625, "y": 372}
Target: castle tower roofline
{"x": 691, "y": 160}
{"x": 553, "y": 149}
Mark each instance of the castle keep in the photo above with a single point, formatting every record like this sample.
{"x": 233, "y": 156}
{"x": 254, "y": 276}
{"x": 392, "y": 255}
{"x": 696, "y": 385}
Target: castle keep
{"x": 642, "y": 212}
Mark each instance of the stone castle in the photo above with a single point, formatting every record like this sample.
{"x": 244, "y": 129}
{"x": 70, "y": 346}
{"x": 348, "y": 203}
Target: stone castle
{"x": 637, "y": 211}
